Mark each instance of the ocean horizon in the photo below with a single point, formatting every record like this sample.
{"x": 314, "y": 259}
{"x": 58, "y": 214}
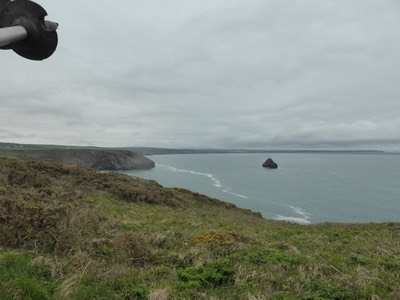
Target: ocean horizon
{"x": 307, "y": 188}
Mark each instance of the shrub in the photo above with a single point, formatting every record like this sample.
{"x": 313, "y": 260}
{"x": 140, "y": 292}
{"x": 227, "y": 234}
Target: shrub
{"x": 257, "y": 255}
{"x": 209, "y": 276}
{"x": 38, "y": 221}
{"x": 133, "y": 291}
{"x": 220, "y": 238}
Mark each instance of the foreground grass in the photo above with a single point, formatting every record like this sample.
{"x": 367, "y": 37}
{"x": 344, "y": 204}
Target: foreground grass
{"x": 72, "y": 234}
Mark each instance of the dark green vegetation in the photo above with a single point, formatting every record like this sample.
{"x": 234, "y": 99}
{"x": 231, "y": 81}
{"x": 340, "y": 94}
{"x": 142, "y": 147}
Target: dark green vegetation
{"x": 67, "y": 233}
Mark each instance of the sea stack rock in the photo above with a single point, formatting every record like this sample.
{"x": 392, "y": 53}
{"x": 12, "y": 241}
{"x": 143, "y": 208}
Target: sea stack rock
{"x": 269, "y": 163}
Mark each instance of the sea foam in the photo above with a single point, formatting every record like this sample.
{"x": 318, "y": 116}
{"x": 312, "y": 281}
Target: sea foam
{"x": 235, "y": 194}
{"x": 216, "y": 182}
{"x": 292, "y": 219}
{"x": 304, "y": 219}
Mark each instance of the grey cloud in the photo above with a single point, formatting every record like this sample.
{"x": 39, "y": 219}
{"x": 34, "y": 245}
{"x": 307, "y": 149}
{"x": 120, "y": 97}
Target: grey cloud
{"x": 218, "y": 73}
{"x": 8, "y": 134}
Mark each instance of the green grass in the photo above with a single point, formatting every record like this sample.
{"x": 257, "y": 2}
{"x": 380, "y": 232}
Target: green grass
{"x": 20, "y": 278}
{"x": 72, "y": 234}
{"x": 326, "y": 261}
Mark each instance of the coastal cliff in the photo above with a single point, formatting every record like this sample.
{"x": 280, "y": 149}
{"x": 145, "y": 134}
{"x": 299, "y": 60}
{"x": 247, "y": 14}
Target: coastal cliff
{"x": 97, "y": 159}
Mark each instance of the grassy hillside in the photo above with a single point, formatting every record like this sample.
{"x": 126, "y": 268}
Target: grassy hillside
{"x": 67, "y": 233}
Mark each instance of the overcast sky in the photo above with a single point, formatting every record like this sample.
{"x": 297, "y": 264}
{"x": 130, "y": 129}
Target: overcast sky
{"x": 255, "y": 74}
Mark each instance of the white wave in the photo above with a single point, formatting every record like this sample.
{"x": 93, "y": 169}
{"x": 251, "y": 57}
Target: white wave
{"x": 304, "y": 219}
{"x": 292, "y": 219}
{"x": 216, "y": 182}
{"x": 300, "y": 211}
{"x": 235, "y": 194}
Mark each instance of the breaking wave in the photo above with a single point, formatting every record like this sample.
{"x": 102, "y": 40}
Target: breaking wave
{"x": 303, "y": 219}
{"x": 215, "y": 181}
{"x": 235, "y": 194}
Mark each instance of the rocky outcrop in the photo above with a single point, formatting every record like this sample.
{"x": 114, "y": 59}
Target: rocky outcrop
{"x": 97, "y": 159}
{"x": 269, "y": 163}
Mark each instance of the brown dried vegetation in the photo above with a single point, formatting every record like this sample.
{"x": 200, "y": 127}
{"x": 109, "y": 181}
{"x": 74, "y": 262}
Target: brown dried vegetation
{"x": 66, "y": 234}
{"x": 43, "y": 206}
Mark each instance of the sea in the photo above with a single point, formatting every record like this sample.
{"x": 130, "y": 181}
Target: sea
{"x": 307, "y": 188}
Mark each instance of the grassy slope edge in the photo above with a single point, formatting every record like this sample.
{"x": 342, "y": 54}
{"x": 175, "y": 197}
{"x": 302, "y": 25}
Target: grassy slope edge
{"x": 67, "y": 233}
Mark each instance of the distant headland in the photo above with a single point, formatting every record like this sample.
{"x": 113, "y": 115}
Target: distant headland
{"x": 124, "y": 158}
{"x": 161, "y": 151}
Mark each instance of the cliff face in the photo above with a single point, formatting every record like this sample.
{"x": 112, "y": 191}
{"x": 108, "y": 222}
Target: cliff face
{"x": 97, "y": 159}
{"x": 120, "y": 160}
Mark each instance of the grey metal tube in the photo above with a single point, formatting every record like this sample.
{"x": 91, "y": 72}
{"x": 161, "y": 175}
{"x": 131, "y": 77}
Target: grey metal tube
{"x": 12, "y": 34}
